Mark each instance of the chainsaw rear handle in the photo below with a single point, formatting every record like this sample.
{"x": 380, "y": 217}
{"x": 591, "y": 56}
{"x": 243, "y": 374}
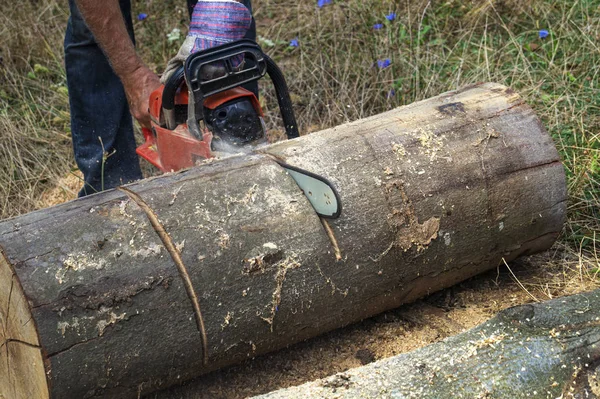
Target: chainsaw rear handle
{"x": 283, "y": 98}
{"x": 255, "y": 65}
{"x": 170, "y": 90}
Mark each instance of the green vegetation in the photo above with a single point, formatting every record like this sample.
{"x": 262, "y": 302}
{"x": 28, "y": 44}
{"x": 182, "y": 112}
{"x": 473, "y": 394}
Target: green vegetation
{"x": 333, "y": 73}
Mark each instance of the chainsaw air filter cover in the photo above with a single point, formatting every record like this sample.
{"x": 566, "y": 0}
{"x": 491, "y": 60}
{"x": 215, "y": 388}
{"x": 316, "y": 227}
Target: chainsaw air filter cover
{"x": 235, "y": 122}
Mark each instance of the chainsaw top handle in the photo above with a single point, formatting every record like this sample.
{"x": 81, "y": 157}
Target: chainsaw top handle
{"x": 255, "y": 65}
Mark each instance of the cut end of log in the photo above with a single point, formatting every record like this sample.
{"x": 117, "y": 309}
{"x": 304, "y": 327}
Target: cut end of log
{"x": 22, "y": 373}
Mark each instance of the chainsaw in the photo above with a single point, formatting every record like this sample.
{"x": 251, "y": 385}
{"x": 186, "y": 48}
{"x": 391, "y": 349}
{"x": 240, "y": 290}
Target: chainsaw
{"x": 202, "y": 109}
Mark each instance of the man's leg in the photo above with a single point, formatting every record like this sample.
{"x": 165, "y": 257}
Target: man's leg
{"x": 100, "y": 119}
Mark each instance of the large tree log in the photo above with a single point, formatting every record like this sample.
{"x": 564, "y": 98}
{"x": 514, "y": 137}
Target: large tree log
{"x": 433, "y": 193}
{"x": 545, "y": 351}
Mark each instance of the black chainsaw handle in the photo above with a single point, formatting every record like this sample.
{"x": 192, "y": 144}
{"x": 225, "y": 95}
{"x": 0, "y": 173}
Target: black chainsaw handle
{"x": 283, "y": 98}
{"x": 172, "y": 85}
{"x": 170, "y": 89}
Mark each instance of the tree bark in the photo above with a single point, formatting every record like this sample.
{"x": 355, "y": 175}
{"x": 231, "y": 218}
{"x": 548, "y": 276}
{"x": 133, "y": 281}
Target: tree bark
{"x": 124, "y": 286}
{"x": 544, "y": 350}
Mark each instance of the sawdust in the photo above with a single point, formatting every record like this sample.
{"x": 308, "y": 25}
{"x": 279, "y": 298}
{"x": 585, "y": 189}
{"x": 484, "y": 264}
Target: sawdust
{"x": 65, "y": 189}
{"x": 490, "y": 341}
{"x": 224, "y": 240}
{"x": 420, "y": 234}
{"x": 330, "y": 282}
{"x": 78, "y": 262}
{"x": 430, "y": 143}
{"x": 248, "y": 198}
{"x": 153, "y": 249}
{"x": 175, "y": 194}
{"x": 486, "y": 134}
{"x": 399, "y": 150}
{"x": 103, "y": 319}
{"x": 278, "y": 199}
{"x": 227, "y": 320}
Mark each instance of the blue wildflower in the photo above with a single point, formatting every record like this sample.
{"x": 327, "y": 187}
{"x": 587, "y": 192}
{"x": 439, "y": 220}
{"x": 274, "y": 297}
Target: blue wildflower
{"x": 544, "y": 34}
{"x": 321, "y": 3}
{"x": 391, "y": 93}
{"x": 382, "y": 64}
{"x": 391, "y": 16}
{"x": 142, "y": 16}
{"x": 378, "y": 26}
{"x": 294, "y": 43}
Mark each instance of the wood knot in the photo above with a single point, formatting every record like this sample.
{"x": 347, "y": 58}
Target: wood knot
{"x": 452, "y": 109}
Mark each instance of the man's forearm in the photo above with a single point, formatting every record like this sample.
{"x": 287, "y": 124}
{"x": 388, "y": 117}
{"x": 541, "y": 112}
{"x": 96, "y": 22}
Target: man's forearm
{"x": 105, "y": 20}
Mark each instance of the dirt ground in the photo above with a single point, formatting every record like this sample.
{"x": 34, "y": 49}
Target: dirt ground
{"x": 409, "y": 327}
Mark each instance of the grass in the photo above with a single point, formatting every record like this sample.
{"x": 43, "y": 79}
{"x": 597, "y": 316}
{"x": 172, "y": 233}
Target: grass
{"x": 433, "y": 46}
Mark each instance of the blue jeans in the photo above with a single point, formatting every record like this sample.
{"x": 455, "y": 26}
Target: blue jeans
{"x": 101, "y": 124}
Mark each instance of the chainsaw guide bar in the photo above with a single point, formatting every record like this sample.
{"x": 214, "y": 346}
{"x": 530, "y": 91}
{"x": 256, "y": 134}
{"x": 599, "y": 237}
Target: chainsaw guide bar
{"x": 319, "y": 191}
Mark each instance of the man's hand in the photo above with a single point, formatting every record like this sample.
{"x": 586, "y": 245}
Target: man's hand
{"x": 105, "y": 20}
{"x": 138, "y": 87}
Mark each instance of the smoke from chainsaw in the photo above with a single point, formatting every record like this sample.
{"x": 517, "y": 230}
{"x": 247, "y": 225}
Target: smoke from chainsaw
{"x": 223, "y": 149}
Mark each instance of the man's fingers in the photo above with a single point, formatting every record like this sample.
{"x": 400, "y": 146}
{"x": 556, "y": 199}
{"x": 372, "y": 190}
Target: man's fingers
{"x": 138, "y": 90}
{"x": 145, "y": 121}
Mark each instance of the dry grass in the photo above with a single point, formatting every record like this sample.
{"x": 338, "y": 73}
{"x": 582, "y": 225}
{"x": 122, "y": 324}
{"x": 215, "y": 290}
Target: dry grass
{"x": 34, "y": 138}
{"x": 433, "y": 46}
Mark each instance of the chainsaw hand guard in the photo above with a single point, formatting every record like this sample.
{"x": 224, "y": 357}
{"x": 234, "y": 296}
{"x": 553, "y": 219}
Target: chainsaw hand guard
{"x": 256, "y": 64}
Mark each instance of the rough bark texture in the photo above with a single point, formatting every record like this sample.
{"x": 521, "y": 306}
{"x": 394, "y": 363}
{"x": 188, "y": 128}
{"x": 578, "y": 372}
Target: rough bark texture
{"x": 546, "y": 350}
{"x": 433, "y": 193}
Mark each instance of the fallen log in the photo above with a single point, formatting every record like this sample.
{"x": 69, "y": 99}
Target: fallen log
{"x": 133, "y": 290}
{"x": 543, "y": 350}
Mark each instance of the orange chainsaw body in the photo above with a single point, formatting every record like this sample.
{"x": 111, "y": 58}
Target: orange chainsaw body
{"x": 172, "y": 150}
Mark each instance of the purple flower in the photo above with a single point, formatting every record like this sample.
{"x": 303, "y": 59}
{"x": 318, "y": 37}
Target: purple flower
{"x": 294, "y": 43}
{"x": 321, "y": 3}
{"x": 378, "y": 26}
{"x": 391, "y": 93}
{"x": 544, "y": 34}
{"x": 142, "y": 16}
{"x": 382, "y": 64}
{"x": 391, "y": 16}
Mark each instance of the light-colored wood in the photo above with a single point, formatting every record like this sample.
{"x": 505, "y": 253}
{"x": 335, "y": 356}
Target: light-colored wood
{"x": 433, "y": 194}
{"x": 22, "y": 373}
